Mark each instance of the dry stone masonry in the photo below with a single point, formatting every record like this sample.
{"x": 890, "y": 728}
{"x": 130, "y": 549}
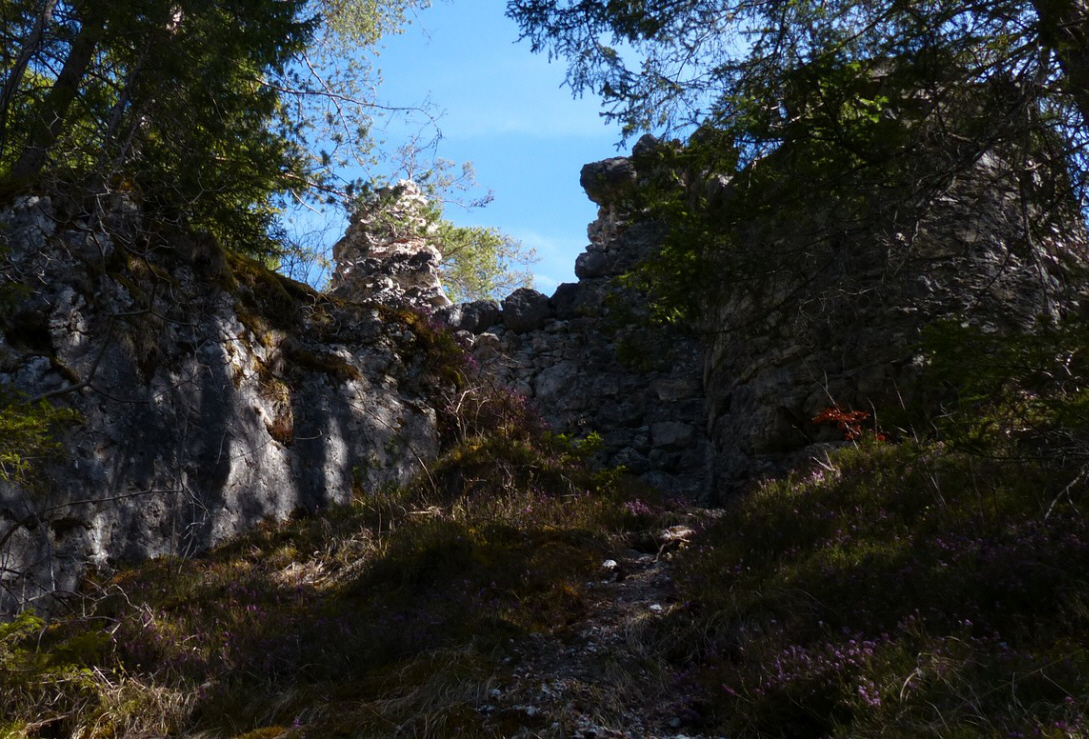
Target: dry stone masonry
{"x": 705, "y": 412}
{"x": 590, "y": 362}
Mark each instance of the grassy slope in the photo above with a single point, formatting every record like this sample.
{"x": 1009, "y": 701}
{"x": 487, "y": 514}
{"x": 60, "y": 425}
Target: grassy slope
{"x": 896, "y": 590}
{"x": 899, "y": 590}
{"x": 390, "y": 612}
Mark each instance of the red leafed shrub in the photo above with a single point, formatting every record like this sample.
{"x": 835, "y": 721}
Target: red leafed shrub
{"x": 847, "y": 421}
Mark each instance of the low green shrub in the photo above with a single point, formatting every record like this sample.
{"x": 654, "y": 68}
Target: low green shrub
{"x": 28, "y": 435}
{"x": 895, "y": 590}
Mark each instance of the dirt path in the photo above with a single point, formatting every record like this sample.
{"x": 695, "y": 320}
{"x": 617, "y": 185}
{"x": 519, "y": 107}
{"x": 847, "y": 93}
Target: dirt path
{"x": 601, "y": 679}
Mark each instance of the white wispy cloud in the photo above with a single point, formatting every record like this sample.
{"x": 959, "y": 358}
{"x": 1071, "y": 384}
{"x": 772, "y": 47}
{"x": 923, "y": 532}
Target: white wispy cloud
{"x": 544, "y": 283}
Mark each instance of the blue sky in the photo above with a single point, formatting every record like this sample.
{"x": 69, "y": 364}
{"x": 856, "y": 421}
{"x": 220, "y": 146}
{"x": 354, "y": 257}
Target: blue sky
{"x": 504, "y": 110}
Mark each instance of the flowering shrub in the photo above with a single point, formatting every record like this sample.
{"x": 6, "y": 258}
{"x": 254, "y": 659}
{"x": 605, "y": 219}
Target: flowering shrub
{"x": 436, "y": 346}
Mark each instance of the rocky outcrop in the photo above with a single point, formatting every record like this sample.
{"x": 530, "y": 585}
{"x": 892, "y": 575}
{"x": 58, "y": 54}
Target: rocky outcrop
{"x": 707, "y": 411}
{"x": 847, "y": 332}
{"x": 386, "y": 254}
{"x": 591, "y": 362}
{"x": 213, "y": 395}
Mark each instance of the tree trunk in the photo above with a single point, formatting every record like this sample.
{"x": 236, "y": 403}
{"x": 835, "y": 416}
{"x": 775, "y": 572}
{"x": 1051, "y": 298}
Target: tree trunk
{"x": 11, "y": 85}
{"x": 50, "y": 120}
{"x": 1064, "y": 27}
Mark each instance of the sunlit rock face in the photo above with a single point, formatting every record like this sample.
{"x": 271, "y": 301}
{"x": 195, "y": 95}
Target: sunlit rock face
{"x": 386, "y": 254}
{"x": 212, "y": 396}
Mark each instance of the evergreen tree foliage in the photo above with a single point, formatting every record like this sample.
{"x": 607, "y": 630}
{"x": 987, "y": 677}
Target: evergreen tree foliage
{"x": 212, "y": 115}
{"x": 165, "y": 100}
{"x": 831, "y": 117}
{"x": 673, "y": 63}
{"x": 27, "y": 437}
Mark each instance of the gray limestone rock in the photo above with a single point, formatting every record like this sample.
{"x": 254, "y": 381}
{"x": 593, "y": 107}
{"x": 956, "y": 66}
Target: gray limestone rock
{"x": 609, "y": 181}
{"x": 763, "y": 383}
{"x": 387, "y": 255}
{"x": 525, "y": 310}
{"x": 202, "y": 416}
{"x": 646, "y": 144}
{"x": 478, "y": 316}
{"x": 212, "y": 410}
{"x": 632, "y": 461}
{"x": 579, "y": 301}
{"x": 565, "y": 301}
{"x": 27, "y": 225}
{"x": 557, "y": 381}
{"x": 452, "y": 315}
{"x": 848, "y": 335}
{"x": 677, "y": 388}
{"x": 672, "y": 435}
{"x": 591, "y": 264}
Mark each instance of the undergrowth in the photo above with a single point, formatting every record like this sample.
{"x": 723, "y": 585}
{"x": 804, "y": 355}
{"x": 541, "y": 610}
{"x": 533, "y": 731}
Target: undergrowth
{"x": 392, "y": 614}
{"x": 912, "y": 589}
{"x": 920, "y": 588}
{"x": 27, "y": 435}
{"x": 902, "y": 590}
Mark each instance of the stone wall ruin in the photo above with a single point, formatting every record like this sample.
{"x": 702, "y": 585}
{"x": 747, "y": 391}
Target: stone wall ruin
{"x": 705, "y": 412}
{"x": 215, "y": 398}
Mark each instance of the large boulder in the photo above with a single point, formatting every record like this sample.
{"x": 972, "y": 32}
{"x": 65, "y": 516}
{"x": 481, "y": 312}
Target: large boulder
{"x": 609, "y": 181}
{"x": 593, "y": 262}
{"x": 526, "y": 310}
{"x": 478, "y": 316}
